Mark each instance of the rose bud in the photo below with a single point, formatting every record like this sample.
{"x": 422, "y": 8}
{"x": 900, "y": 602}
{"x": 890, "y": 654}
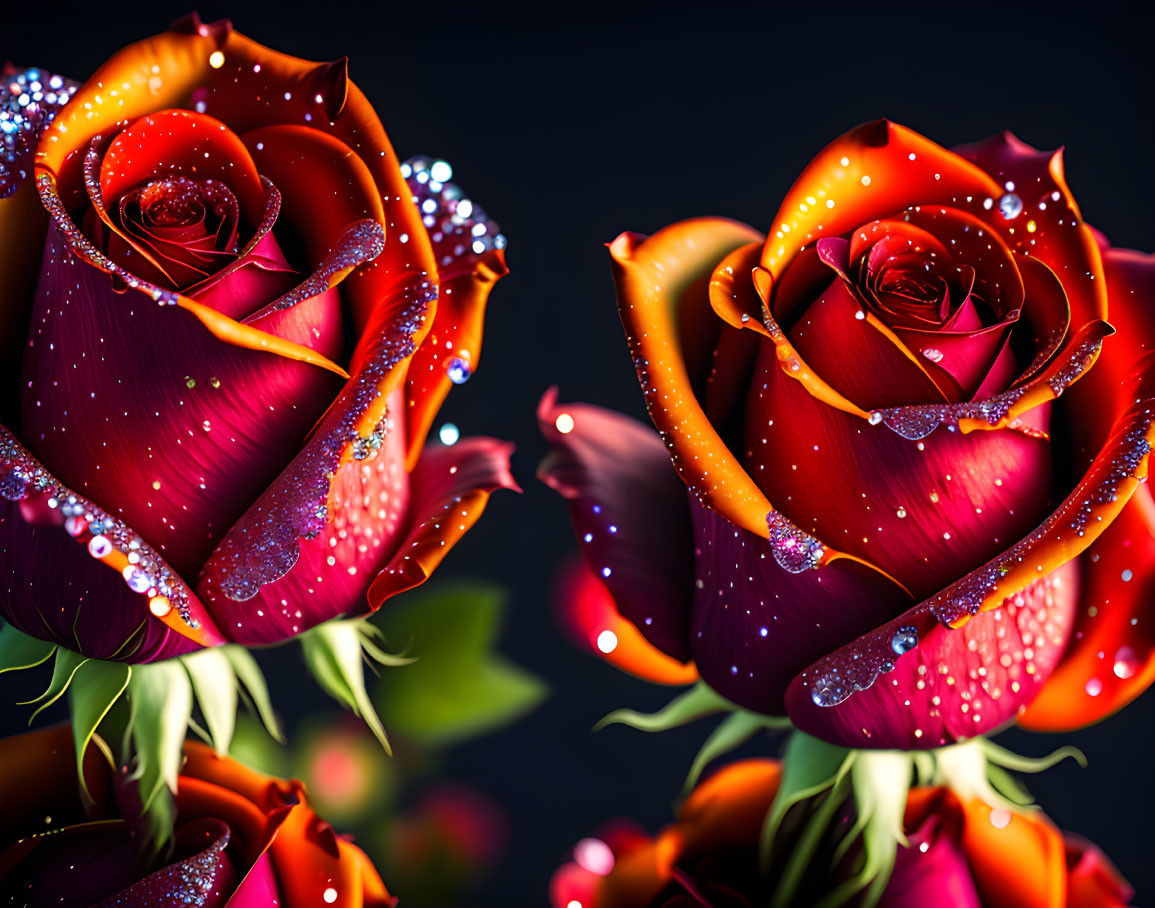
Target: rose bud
{"x": 958, "y": 852}
{"x": 241, "y": 839}
{"x": 246, "y": 313}
{"x": 908, "y": 449}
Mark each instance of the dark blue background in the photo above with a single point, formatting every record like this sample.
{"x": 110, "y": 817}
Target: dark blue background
{"x": 571, "y": 123}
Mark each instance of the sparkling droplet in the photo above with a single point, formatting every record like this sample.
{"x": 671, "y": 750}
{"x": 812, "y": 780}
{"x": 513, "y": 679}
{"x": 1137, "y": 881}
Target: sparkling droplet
{"x": 449, "y": 434}
{"x": 904, "y": 640}
{"x": 138, "y": 581}
{"x": 1094, "y": 687}
{"x": 1126, "y": 662}
{"x": 458, "y": 371}
{"x": 99, "y": 546}
{"x": 1010, "y": 206}
{"x": 607, "y": 641}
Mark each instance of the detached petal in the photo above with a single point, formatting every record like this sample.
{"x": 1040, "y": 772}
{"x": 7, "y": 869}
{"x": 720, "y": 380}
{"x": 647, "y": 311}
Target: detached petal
{"x": 80, "y": 577}
{"x": 450, "y": 488}
{"x": 628, "y": 508}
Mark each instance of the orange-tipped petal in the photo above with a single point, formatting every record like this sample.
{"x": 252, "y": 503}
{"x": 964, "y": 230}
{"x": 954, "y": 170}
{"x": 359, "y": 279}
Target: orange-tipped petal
{"x": 1018, "y": 859}
{"x": 656, "y": 277}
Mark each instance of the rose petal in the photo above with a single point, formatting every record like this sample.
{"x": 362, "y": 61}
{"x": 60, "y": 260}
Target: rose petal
{"x": 63, "y": 582}
{"x": 453, "y": 350}
{"x": 183, "y": 460}
{"x": 176, "y": 69}
{"x": 628, "y": 507}
{"x": 264, "y": 588}
{"x": 656, "y": 278}
{"x": 593, "y": 619}
{"x": 1111, "y": 659}
{"x": 885, "y": 498}
{"x": 859, "y": 357}
{"x": 1017, "y": 858}
{"x": 754, "y": 625}
{"x": 23, "y": 223}
{"x": 315, "y": 866}
{"x": 1092, "y": 880}
{"x": 205, "y": 878}
{"x": 846, "y": 679}
{"x": 931, "y": 871}
{"x": 181, "y": 143}
{"x": 450, "y": 488}
{"x": 888, "y": 168}
{"x": 1060, "y": 240}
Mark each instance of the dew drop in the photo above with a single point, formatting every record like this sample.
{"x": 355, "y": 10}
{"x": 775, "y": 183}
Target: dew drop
{"x": 1126, "y": 662}
{"x": 458, "y": 371}
{"x": 99, "y": 546}
{"x": 1094, "y": 687}
{"x": 904, "y": 640}
{"x": 1010, "y": 206}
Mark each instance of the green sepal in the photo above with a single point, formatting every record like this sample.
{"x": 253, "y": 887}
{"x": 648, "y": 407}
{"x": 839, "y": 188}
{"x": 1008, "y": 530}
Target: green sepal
{"x": 218, "y": 701}
{"x": 19, "y": 651}
{"x": 693, "y": 704}
{"x": 98, "y": 686}
{"x": 63, "y": 670}
{"x": 335, "y": 653}
{"x": 248, "y": 673}
{"x": 809, "y": 767}
{"x": 880, "y": 781}
{"x": 160, "y": 695}
{"x": 731, "y": 733}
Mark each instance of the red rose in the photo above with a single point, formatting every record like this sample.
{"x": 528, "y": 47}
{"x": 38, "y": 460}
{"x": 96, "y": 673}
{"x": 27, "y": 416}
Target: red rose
{"x": 248, "y": 314}
{"x": 960, "y": 853}
{"x": 242, "y": 839}
{"x": 915, "y": 501}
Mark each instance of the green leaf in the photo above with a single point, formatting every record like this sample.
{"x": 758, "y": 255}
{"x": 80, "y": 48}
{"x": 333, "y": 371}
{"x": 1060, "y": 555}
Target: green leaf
{"x": 249, "y": 673}
{"x": 695, "y": 703}
{"x": 809, "y": 767}
{"x": 19, "y": 651}
{"x": 161, "y": 698}
{"x": 98, "y": 686}
{"x": 459, "y": 686}
{"x": 333, "y": 653}
{"x": 733, "y": 731}
{"x": 63, "y": 670}
{"x": 215, "y": 684}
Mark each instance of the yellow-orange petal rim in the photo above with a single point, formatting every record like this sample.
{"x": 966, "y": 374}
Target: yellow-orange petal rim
{"x": 731, "y": 290}
{"x": 871, "y": 172}
{"x": 1064, "y": 370}
{"x": 1083, "y": 516}
{"x": 791, "y": 363}
{"x": 653, "y": 274}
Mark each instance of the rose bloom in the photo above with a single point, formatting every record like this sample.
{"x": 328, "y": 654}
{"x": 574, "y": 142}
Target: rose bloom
{"x": 242, "y": 839}
{"x": 241, "y": 317}
{"x": 908, "y": 448}
{"x": 960, "y": 853}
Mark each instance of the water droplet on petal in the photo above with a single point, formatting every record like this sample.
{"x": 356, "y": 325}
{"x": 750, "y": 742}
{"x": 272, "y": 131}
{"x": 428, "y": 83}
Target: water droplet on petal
{"x": 458, "y": 371}
{"x": 1010, "y": 206}
{"x": 904, "y": 640}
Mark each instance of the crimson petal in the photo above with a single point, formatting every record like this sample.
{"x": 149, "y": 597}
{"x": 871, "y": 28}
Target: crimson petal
{"x": 755, "y": 625}
{"x": 190, "y": 452}
{"x": 78, "y": 576}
